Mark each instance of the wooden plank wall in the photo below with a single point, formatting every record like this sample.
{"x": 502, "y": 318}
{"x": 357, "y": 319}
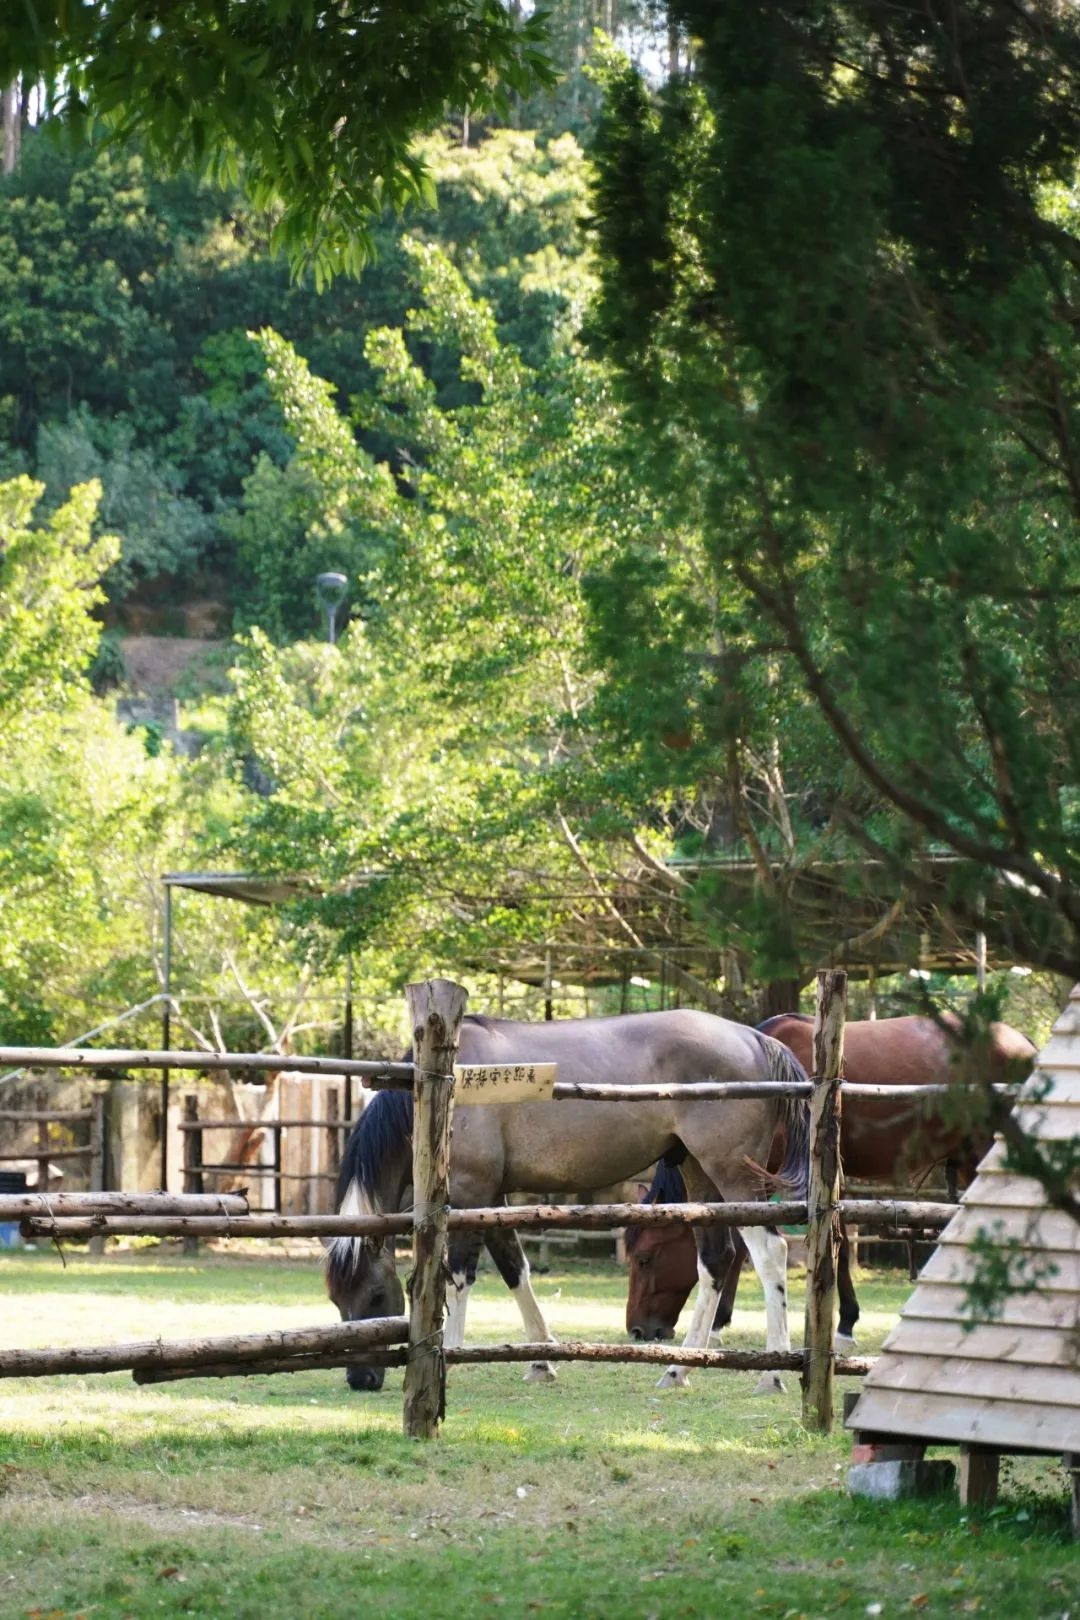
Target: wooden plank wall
{"x": 1012, "y": 1381}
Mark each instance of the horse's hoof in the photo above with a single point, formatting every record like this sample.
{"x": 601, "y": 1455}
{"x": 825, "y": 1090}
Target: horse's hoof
{"x": 716, "y": 1339}
{"x": 674, "y": 1378}
{"x": 769, "y": 1384}
{"x": 540, "y": 1372}
{"x": 845, "y": 1344}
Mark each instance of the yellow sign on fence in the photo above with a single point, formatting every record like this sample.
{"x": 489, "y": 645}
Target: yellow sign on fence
{"x": 503, "y": 1082}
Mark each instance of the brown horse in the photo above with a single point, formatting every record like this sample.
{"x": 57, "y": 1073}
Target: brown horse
{"x": 883, "y": 1140}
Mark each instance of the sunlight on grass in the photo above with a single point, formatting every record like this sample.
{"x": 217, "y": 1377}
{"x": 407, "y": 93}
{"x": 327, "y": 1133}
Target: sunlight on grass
{"x": 593, "y": 1496}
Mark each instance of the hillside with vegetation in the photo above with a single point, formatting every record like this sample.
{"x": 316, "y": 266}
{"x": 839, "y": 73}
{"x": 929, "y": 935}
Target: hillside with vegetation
{"x": 630, "y": 571}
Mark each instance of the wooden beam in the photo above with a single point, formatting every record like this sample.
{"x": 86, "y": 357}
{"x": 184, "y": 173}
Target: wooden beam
{"x": 435, "y": 1008}
{"x": 254, "y": 1347}
{"x": 823, "y": 1197}
{"x": 375, "y": 1072}
{"x": 889, "y": 1216}
{"x": 978, "y": 1478}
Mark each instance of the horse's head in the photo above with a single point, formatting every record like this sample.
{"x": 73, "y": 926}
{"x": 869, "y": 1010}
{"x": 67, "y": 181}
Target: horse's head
{"x": 362, "y": 1281}
{"x": 663, "y": 1271}
{"x": 662, "y": 1262}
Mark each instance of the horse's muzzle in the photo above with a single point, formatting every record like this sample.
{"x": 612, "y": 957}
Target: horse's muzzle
{"x": 652, "y": 1332}
{"x": 358, "y": 1377}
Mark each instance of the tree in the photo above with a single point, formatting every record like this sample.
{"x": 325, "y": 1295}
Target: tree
{"x": 72, "y": 811}
{"x": 50, "y": 580}
{"x": 839, "y": 270}
{"x": 443, "y": 749}
{"x": 319, "y": 102}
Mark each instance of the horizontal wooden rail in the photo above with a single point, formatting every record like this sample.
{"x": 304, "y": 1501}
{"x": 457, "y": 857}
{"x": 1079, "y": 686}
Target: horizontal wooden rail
{"x": 264, "y": 1124}
{"x": 337, "y": 1337}
{"x": 258, "y": 1170}
{"x": 657, "y": 1354}
{"x": 379, "y": 1074}
{"x": 375, "y": 1073}
{"x": 45, "y": 1116}
{"x": 722, "y": 1090}
{"x": 14, "y": 1206}
{"x": 654, "y": 1355}
{"x": 47, "y": 1152}
{"x": 893, "y": 1215}
{"x": 311, "y": 1361}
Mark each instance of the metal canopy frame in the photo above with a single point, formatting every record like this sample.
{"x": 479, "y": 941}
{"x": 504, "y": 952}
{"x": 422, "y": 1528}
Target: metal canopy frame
{"x": 253, "y": 890}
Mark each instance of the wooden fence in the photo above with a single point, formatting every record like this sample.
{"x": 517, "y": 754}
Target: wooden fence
{"x": 316, "y": 1171}
{"x": 436, "y": 1008}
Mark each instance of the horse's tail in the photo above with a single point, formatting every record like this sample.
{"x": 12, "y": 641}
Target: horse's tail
{"x": 793, "y": 1175}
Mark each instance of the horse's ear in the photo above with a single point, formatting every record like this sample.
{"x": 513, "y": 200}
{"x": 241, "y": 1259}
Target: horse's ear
{"x": 643, "y": 1190}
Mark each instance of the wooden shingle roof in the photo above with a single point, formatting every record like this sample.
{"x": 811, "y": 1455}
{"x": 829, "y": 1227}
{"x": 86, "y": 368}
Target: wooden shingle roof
{"x": 1012, "y": 1382}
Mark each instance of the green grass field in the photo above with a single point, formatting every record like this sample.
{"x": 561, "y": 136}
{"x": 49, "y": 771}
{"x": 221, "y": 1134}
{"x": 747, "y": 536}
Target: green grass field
{"x": 597, "y": 1496}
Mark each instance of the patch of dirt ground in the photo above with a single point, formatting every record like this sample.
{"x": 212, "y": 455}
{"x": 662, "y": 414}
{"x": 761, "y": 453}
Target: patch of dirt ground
{"x": 156, "y": 665}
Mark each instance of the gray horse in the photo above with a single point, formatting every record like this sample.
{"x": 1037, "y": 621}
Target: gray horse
{"x": 576, "y": 1146}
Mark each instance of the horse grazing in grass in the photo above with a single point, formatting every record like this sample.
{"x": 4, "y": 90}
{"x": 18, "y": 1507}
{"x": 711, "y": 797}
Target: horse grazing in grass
{"x": 663, "y": 1269}
{"x": 882, "y": 1140}
{"x": 574, "y": 1146}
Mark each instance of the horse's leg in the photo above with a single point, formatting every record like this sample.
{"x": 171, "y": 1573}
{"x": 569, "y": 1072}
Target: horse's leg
{"x": 849, "y": 1305}
{"x": 726, "y": 1308}
{"x": 505, "y": 1249}
{"x": 716, "y": 1260}
{"x": 767, "y": 1248}
{"x": 463, "y": 1253}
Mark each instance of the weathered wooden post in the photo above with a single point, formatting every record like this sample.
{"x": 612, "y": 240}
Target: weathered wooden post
{"x": 436, "y": 1008}
{"x": 42, "y": 1152}
{"x": 97, "y": 1157}
{"x": 823, "y": 1195}
{"x": 192, "y": 1181}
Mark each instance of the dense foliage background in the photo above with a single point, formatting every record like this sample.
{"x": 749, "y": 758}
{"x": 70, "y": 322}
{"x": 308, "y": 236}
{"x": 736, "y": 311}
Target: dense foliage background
{"x": 701, "y": 468}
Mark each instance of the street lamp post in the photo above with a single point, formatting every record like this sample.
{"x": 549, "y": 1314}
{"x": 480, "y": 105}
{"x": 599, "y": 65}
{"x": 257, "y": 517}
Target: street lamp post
{"x": 331, "y": 588}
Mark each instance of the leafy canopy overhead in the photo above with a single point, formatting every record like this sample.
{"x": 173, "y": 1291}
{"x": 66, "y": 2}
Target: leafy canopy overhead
{"x": 840, "y": 275}
{"x": 318, "y": 102}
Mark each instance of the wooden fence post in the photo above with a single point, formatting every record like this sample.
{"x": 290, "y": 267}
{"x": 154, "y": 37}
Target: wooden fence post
{"x": 97, "y": 1158}
{"x": 823, "y": 1195}
{"x": 435, "y": 1012}
{"x": 192, "y": 1181}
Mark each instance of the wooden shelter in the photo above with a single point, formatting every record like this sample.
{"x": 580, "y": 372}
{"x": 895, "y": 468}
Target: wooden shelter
{"x": 1010, "y": 1383}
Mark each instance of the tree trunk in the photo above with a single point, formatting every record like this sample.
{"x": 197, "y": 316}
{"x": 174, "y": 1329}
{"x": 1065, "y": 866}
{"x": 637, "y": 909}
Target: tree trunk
{"x": 11, "y": 117}
{"x": 779, "y": 996}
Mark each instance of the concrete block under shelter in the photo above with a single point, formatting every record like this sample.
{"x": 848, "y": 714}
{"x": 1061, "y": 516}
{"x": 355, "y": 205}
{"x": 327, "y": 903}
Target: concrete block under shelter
{"x": 898, "y": 1477}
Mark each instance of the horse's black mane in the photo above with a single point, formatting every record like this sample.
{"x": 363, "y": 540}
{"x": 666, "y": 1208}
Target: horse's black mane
{"x": 382, "y": 1130}
{"x": 668, "y": 1187}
